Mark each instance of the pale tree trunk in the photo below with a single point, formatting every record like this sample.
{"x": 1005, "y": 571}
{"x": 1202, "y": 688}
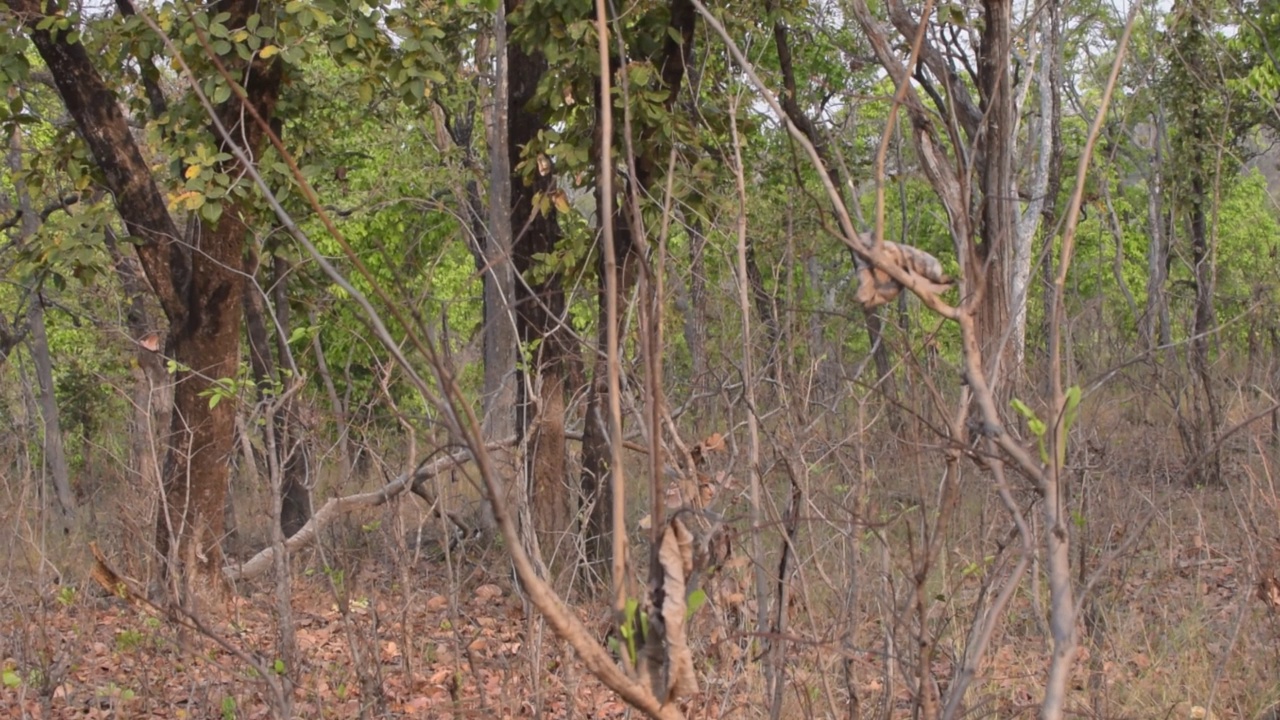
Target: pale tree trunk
{"x": 53, "y": 451}
{"x": 1154, "y": 325}
{"x": 1047, "y": 167}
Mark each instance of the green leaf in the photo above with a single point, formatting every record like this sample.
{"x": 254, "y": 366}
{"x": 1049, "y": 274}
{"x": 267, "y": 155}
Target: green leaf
{"x": 211, "y": 211}
{"x": 697, "y": 599}
{"x": 298, "y": 334}
{"x": 11, "y": 679}
{"x": 1072, "y": 409}
{"x": 1035, "y": 423}
{"x": 1037, "y": 427}
{"x": 221, "y": 94}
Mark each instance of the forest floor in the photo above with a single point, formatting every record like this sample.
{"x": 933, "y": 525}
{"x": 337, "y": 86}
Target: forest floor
{"x": 1175, "y": 623}
{"x": 85, "y": 654}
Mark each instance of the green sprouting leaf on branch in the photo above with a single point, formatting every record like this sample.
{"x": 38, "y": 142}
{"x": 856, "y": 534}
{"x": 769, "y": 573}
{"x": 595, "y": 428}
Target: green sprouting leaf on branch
{"x": 1037, "y": 426}
{"x": 632, "y": 613}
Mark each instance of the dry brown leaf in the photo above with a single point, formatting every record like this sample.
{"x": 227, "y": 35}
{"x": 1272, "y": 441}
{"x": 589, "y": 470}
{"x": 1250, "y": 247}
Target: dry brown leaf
{"x": 488, "y": 592}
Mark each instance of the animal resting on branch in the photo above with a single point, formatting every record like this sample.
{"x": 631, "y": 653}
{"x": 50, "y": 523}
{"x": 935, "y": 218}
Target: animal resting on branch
{"x": 876, "y": 287}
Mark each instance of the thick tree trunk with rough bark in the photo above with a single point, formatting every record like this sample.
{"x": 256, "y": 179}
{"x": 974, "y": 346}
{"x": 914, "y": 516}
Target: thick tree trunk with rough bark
{"x": 597, "y": 494}
{"x": 540, "y": 307}
{"x": 206, "y": 343}
{"x": 198, "y": 284}
{"x": 995, "y": 253}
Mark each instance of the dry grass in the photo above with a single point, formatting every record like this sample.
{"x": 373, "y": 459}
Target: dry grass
{"x": 1172, "y": 625}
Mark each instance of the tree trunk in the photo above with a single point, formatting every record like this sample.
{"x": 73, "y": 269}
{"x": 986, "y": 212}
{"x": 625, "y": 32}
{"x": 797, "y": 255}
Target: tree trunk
{"x": 206, "y": 344}
{"x": 1197, "y": 124}
{"x": 296, "y": 451}
{"x": 673, "y": 60}
{"x": 1154, "y": 325}
{"x": 766, "y": 308}
{"x": 597, "y": 488}
{"x": 1045, "y": 181}
{"x": 695, "y": 321}
{"x": 539, "y": 306}
{"x": 53, "y": 451}
{"x": 1206, "y": 420}
{"x": 994, "y": 255}
{"x": 152, "y": 391}
{"x": 281, "y": 420}
{"x": 339, "y": 408}
{"x": 501, "y": 349}
{"x": 199, "y": 289}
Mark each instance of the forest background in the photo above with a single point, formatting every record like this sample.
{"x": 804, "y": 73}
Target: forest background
{"x": 361, "y": 359}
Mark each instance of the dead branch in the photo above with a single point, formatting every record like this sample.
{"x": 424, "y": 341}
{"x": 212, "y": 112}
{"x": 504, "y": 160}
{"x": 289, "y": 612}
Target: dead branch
{"x": 337, "y": 507}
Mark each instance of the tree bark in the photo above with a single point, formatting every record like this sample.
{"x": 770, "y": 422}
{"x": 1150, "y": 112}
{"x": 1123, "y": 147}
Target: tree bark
{"x": 282, "y": 421}
{"x": 695, "y": 321}
{"x": 1045, "y": 182}
{"x": 53, "y": 451}
{"x": 766, "y": 308}
{"x": 673, "y": 60}
{"x": 152, "y": 390}
{"x": 994, "y": 255}
{"x": 540, "y": 306}
{"x": 501, "y": 377}
{"x": 1197, "y": 125}
{"x": 296, "y": 510}
{"x": 1154, "y": 325}
{"x": 198, "y": 283}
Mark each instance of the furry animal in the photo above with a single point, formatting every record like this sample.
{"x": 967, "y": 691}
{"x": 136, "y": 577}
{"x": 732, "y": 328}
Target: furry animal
{"x": 875, "y": 287}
